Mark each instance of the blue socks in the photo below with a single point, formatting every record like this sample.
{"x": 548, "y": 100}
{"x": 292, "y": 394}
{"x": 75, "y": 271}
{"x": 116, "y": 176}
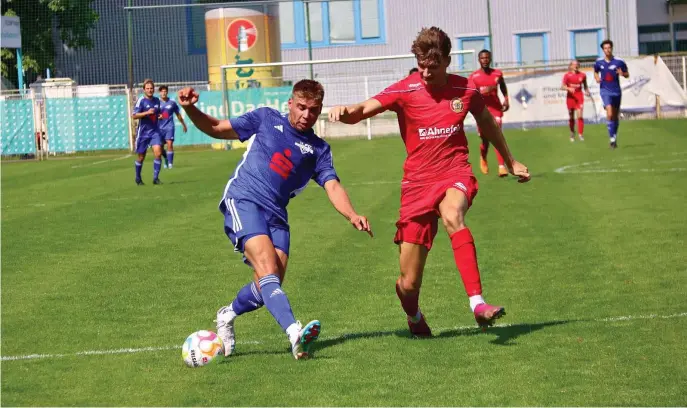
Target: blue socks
{"x": 170, "y": 157}
{"x": 276, "y": 301}
{"x": 612, "y": 126}
{"x": 138, "y": 166}
{"x": 247, "y": 300}
{"x": 157, "y": 163}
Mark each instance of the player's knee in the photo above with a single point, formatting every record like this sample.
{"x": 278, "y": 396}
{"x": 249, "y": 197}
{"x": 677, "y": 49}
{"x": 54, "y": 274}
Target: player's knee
{"x": 453, "y": 220}
{"x": 265, "y": 265}
{"x": 409, "y": 282}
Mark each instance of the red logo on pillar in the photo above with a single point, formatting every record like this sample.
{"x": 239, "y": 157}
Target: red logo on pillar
{"x": 242, "y": 34}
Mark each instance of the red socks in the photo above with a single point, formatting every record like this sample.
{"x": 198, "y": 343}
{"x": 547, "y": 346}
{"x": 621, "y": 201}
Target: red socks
{"x": 465, "y": 254}
{"x": 580, "y": 126}
{"x": 409, "y": 301}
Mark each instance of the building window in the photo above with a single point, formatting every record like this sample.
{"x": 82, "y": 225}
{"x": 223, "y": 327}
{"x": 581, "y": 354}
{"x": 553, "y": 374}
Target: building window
{"x": 585, "y": 45}
{"x": 680, "y": 36}
{"x": 344, "y": 22}
{"x": 286, "y": 31}
{"x": 469, "y": 62}
{"x": 532, "y": 48}
{"x": 654, "y": 39}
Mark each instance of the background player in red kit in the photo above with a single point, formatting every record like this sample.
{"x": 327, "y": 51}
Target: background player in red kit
{"x": 488, "y": 81}
{"x": 438, "y": 181}
{"x": 573, "y": 82}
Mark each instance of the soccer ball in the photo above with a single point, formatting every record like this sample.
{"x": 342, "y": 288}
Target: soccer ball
{"x": 200, "y": 348}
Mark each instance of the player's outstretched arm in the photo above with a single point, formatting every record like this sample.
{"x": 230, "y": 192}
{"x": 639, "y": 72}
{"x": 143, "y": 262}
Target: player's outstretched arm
{"x": 213, "y": 127}
{"x": 353, "y": 114}
{"x": 340, "y": 200}
{"x": 492, "y": 132}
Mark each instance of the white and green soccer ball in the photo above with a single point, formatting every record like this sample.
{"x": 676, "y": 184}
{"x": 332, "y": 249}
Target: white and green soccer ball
{"x": 201, "y": 347}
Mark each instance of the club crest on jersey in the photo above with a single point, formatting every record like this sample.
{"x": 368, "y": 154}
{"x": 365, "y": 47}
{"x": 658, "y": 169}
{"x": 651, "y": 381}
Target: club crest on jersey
{"x": 305, "y": 148}
{"x": 457, "y": 105}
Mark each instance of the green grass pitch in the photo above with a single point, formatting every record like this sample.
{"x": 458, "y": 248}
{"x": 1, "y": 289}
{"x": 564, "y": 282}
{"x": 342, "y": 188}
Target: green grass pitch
{"x": 589, "y": 259}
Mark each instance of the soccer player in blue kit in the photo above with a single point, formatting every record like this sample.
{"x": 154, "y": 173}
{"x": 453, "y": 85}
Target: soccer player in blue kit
{"x": 168, "y": 108}
{"x": 283, "y": 154}
{"x": 147, "y": 110}
{"x": 607, "y": 72}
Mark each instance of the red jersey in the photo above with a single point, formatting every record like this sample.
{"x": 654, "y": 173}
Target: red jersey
{"x": 488, "y": 85}
{"x": 574, "y": 80}
{"x": 431, "y": 122}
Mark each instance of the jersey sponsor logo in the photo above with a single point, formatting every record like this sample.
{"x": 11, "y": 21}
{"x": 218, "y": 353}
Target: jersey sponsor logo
{"x": 457, "y": 105}
{"x": 415, "y": 85}
{"x": 305, "y": 148}
{"x": 281, "y": 164}
{"x": 437, "y": 133}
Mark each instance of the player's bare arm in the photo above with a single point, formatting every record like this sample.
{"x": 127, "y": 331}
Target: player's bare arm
{"x": 624, "y": 74}
{"x": 213, "y": 127}
{"x": 339, "y": 198}
{"x": 181, "y": 120}
{"x": 142, "y": 115}
{"x": 492, "y": 132}
{"x": 504, "y": 91}
{"x": 353, "y": 114}
{"x": 586, "y": 87}
{"x": 597, "y": 77}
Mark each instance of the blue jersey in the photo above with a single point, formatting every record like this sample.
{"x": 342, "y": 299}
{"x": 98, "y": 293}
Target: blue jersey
{"x": 147, "y": 126}
{"x": 610, "y": 80}
{"x": 168, "y": 109}
{"x": 278, "y": 163}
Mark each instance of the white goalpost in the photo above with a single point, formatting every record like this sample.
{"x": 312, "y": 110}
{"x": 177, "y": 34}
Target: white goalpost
{"x": 345, "y": 80}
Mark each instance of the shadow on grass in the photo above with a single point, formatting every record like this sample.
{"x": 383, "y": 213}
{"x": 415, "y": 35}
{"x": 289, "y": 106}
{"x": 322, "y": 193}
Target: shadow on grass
{"x": 504, "y": 334}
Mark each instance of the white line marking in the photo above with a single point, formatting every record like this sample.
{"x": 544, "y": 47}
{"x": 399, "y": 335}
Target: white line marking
{"x": 337, "y": 337}
{"x": 576, "y": 168}
{"x": 101, "y": 161}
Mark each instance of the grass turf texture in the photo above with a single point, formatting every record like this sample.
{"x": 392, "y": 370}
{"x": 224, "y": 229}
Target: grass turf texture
{"x": 90, "y": 261}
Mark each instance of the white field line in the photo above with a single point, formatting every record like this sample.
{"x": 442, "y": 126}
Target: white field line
{"x": 337, "y": 337}
{"x": 614, "y": 164}
{"x": 101, "y": 161}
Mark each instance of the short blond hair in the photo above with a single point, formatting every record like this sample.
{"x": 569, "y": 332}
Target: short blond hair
{"x": 148, "y": 81}
{"x": 309, "y": 89}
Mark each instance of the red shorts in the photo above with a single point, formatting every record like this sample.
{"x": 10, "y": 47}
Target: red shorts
{"x": 419, "y": 213}
{"x": 575, "y": 102}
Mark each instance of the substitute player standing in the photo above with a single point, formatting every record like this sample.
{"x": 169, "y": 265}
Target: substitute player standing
{"x": 146, "y": 110}
{"x": 283, "y": 154}
{"x": 607, "y": 72}
{"x": 488, "y": 81}
{"x": 169, "y": 108}
{"x": 573, "y": 82}
{"x": 438, "y": 182}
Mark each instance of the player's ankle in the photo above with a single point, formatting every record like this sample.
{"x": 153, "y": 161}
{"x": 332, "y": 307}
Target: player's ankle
{"x": 475, "y": 301}
{"x": 416, "y": 318}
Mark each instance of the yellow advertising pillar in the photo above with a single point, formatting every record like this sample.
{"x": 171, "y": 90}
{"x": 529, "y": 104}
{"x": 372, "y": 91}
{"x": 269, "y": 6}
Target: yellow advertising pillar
{"x": 243, "y": 36}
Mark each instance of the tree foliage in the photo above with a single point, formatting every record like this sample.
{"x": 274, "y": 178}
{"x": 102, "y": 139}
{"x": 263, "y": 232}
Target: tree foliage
{"x": 43, "y": 22}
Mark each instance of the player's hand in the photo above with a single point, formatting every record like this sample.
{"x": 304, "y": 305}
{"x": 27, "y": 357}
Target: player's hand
{"x": 505, "y": 106}
{"x": 589, "y": 94}
{"x": 151, "y": 111}
{"x": 360, "y": 223}
{"x": 521, "y": 171}
{"x": 619, "y": 71}
{"x": 337, "y": 112}
{"x": 187, "y": 97}
{"x": 598, "y": 80}
{"x": 184, "y": 128}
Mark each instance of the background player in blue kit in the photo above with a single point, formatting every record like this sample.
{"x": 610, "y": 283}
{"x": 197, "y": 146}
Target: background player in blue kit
{"x": 146, "y": 110}
{"x": 283, "y": 154}
{"x": 168, "y": 108}
{"x": 607, "y": 72}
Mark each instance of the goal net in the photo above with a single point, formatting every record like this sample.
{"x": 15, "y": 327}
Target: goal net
{"x": 345, "y": 80}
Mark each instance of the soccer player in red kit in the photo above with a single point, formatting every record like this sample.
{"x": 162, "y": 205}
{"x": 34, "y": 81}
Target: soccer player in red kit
{"x": 488, "y": 81}
{"x": 573, "y": 82}
{"x": 438, "y": 182}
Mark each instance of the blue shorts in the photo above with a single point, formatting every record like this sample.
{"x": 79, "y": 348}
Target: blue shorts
{"x": 244, "y": 219}
{"x": 142, "y": 143}
{"x": 167, "y": 134}
{"x": 611, "y": 99}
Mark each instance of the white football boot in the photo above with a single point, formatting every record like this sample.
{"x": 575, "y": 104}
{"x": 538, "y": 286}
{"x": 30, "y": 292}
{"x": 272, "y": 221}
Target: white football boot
{"x": 225, "y": 329}
{"x": 302, "y": 338}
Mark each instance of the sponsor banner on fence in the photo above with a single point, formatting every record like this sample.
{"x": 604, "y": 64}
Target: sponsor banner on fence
{"x": 240, "y": 102}
{"x": 540, "y": 101}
